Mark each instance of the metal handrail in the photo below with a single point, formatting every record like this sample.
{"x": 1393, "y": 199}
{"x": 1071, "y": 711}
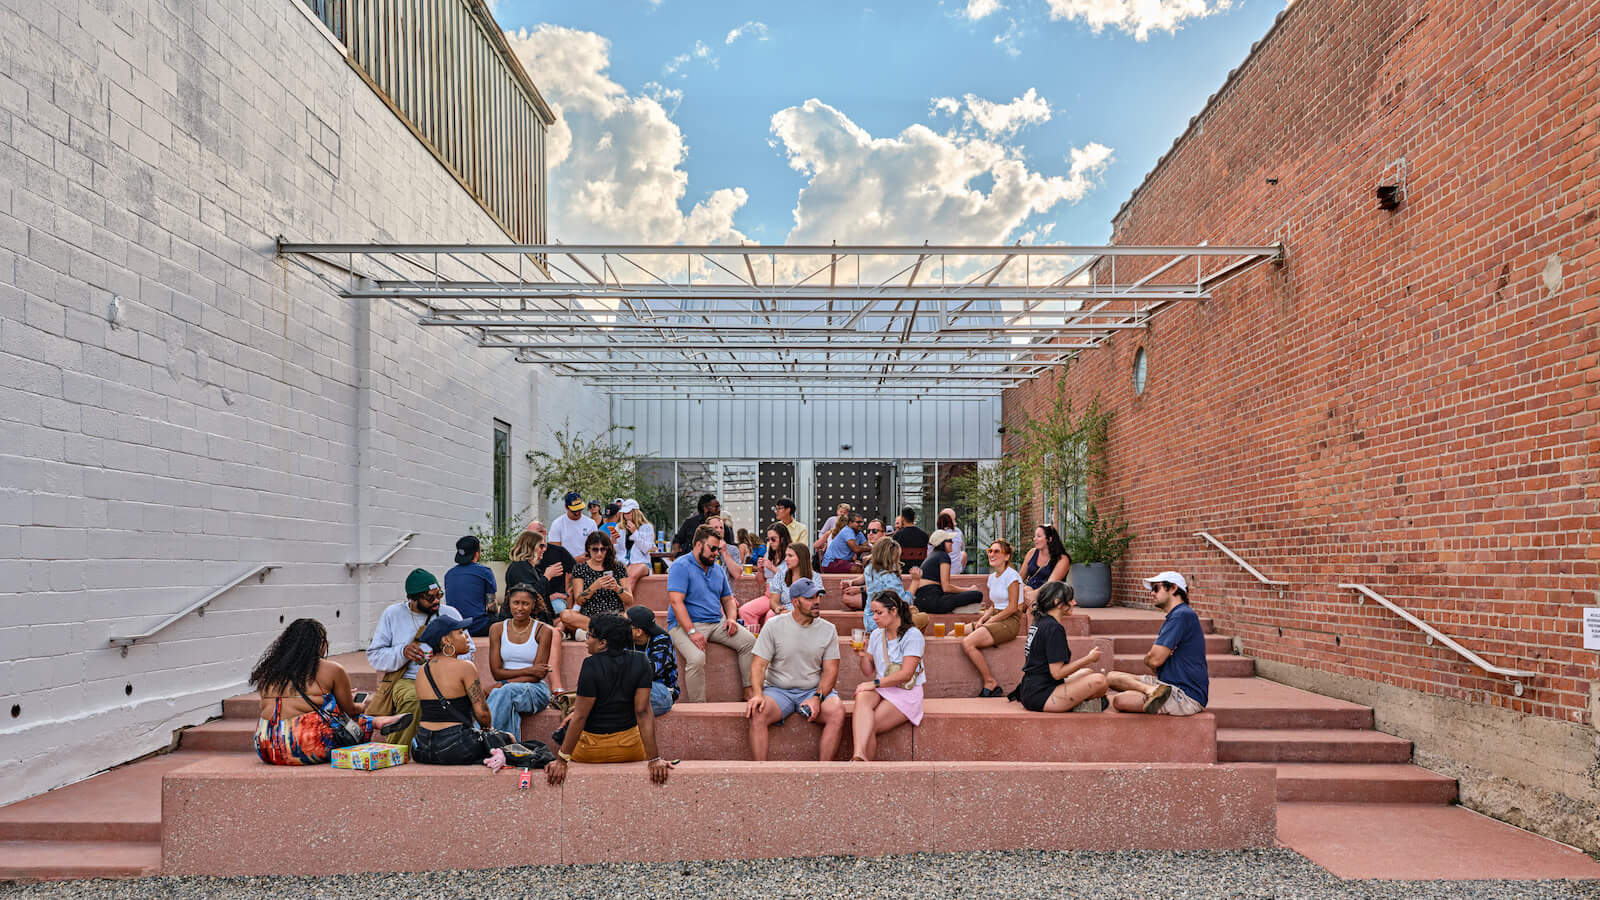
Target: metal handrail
{"x": 126, "y": 641}
{"x": 384, "y": 559}
{"x": 1517, "y": 676}
{"x": 1242, "y": 564}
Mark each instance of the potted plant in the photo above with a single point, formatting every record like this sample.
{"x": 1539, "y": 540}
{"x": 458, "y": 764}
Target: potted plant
{"x": 993, "y": 495}
{"x": 1094, "y": 542}
{"x": 496, "y": 545}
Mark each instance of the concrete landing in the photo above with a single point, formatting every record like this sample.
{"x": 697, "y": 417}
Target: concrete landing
{"x": 1414, "y": 842}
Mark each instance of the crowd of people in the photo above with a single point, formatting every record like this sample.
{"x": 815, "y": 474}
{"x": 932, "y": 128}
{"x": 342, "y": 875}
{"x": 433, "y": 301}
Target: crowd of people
{"x": 577, "y": 581}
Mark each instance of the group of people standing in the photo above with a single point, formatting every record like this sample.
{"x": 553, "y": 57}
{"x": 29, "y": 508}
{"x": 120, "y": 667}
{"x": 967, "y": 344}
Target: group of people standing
{"x": 430, "y": 696}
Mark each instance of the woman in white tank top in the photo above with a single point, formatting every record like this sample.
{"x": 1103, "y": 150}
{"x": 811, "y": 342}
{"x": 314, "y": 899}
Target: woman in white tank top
{"x": 521, "y": 665}
{"x": 641, "y": 539}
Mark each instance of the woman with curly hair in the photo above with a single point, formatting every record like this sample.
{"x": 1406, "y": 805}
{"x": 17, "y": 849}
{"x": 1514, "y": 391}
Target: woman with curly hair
{"x": 302, "y": 694}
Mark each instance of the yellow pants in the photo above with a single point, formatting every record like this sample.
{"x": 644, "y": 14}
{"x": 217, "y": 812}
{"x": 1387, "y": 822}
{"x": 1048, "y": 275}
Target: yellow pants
{"x": 622, "y": 746}
{"x": 404, "y": 695}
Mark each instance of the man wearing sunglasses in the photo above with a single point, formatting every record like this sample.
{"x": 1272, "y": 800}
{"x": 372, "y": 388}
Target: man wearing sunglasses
{"x": 1181, "y": 683}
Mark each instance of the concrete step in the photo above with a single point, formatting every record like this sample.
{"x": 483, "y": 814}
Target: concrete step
{"x": 1216, "y": 644}
{"x": 220, "y": 736}
{"x": 1310, "y": 745}
{"x": 1130, "y": 620}
{"x": 1360, "y": 783}
{"x": 123, "y": 804}
{"x": 1218, "y": 666}
{"x": 717, "y": 810}
{"x": 47, "y": 860}
{"x": 1259, "y": 703}
{"x": 652, "y": 589}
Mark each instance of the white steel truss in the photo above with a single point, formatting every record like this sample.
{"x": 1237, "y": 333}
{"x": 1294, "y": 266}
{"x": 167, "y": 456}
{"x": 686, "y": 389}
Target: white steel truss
{"x": 704, "y": 320}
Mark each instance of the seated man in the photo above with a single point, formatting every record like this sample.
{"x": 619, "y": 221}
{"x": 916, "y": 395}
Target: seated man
{"x": 913, "y": 541}
{"x": 797, "y": 663}
{"x": 651, "y": 640}
{"x": 700, "y": 608}
{"x": 1181, "y": 684}
{"x": 397, "y": 648}
{"x": 470, "y": 587}
{"x": 845, "y": 548}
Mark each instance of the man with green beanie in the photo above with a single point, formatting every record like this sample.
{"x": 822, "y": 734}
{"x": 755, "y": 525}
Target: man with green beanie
{"x": 396, "y": 651}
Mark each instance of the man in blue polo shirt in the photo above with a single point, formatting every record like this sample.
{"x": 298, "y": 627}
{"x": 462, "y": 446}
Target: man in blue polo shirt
{"x": 1181, "y": 685}
{"x": 700, "y": 608}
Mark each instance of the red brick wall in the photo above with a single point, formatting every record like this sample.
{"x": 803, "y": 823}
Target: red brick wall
{"x": 1410, "y": 400}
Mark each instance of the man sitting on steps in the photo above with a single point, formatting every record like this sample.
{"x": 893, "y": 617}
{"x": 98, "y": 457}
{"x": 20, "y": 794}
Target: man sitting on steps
{"x": 700, "y": 608}
{"x": 1181, "y": 684}
{"x": 396, "y": 646}
{"x": 797, "y": 664}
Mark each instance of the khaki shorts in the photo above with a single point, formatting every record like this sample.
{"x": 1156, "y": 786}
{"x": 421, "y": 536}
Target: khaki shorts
{"x": 1178, "y": 703}
{"x": 1004, "y": 630}
{"x": 621, "y": 746}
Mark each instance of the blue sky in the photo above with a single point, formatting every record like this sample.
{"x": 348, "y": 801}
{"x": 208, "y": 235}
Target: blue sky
{"x": 675, "y": 133}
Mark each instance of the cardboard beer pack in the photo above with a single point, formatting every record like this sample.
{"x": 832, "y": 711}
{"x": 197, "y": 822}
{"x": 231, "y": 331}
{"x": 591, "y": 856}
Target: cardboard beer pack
{"x": 370, "y": 756}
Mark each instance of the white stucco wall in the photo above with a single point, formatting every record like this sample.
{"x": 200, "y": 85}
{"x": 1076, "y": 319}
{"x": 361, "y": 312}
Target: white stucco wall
{"x": 239, "y": 412}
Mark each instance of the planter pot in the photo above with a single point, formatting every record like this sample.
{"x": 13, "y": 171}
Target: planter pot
{"x": 499, "y": 570}
{"x": 1091, "y": 584}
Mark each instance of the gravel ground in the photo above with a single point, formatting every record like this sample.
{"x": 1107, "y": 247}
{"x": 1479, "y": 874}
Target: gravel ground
{"x": 1017, "y": 874}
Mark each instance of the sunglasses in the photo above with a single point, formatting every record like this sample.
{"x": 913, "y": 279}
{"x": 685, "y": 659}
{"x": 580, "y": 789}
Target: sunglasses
{"x": 874, "y": 531}
{"x": 995, "y": 551}
{"x": 1156, "y": 588}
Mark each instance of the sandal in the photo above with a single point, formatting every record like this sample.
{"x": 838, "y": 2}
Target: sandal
{"x": 1157, "y": 697}
{"x": 400, "y": 724}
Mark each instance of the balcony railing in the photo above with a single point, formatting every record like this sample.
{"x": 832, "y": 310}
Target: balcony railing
{"x": 446, "y": 71}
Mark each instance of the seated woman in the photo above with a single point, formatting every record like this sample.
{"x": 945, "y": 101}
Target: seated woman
{"x": 893, "y": 657}
{"x": 301, "y": 693}
{"x": 612, "y": 721}
{"x": 881, "y": 574}
{"x": 641, "y": 536}
{"x": 452, "y": 701}
{"x": 523, "y": 653}
{"x": 1051, "y": 681}
{"x": 1048, "y": 561}
{"x": 931, "y": 586}
{"x": 651, "y": 639}
{"x": 1001, "y": 618}
{"x": 775, "y": 602}
{"x": 598, "y": 584}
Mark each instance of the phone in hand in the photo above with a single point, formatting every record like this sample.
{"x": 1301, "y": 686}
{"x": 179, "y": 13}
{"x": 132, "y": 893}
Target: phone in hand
{"x": 361, "y": 696}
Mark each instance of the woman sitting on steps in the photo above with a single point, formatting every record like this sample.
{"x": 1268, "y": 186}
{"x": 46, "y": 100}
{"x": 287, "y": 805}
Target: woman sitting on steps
{"x": 300, "y": 693}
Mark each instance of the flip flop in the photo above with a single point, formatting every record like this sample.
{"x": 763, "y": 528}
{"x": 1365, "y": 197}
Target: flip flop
{"x": 399, "y": 724}
{"x": 1157, "y": 697}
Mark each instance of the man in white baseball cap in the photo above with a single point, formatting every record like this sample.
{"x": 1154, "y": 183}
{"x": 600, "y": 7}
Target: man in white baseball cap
{"x": 1181, "y": 685}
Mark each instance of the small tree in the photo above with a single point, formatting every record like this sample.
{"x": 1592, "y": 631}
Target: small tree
{"x": 1062, "y": 451}
{"x": 995, "y": 495}
{"x": 1093, "y": 538}
{"x": 593, "y": 466}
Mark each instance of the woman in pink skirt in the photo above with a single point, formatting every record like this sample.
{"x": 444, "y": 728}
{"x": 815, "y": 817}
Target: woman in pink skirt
{"x": 893, "y": 656}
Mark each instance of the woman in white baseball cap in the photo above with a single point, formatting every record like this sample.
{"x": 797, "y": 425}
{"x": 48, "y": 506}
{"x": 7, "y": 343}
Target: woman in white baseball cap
{"x": 639, "y": 537}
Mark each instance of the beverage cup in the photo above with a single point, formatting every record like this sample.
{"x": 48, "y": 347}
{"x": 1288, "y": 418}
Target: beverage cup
{"x": 938, "y": 629}
{"x": 961, "y": 629}
{"x": 858, "y": 638}
{"x": 749, "y": 569}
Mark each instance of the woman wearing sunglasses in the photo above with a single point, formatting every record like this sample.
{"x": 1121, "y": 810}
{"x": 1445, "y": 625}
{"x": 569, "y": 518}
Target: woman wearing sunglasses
{"x": 1000, "y": 618}
{"x": 599, "y": 584}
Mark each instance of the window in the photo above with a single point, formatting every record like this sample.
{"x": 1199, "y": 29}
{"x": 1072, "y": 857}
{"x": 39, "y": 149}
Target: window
{"x": 502, "y": 476}
{"x": 1138, "y": 371}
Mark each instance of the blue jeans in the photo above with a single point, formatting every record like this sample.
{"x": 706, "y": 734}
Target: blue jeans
{"x": 660, "y": 698}
{"x": 509, "y": 701}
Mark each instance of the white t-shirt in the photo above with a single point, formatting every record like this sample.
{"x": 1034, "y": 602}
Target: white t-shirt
{"x": 570, "y": 533}
{"x": 1000, "y": 587}
{"x": 644, "y": 541}
{"x": 958, "y": 552}
{"x": 911, "y": 643}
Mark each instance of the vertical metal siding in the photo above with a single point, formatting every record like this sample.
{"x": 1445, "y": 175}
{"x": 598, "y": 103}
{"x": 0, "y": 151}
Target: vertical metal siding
{"x": 788, "y": 429}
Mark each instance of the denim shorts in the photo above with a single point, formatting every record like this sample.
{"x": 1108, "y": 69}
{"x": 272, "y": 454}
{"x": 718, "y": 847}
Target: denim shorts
{"x": 791, "y": 699}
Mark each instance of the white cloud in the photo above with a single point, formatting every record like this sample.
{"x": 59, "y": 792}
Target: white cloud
{"x": 996, "y": 119}
{"x": 758, "y": 30}
{"x": 702, "y": 50}
{"x": 1136, "y": 17}
{"x": 615, "y": 159}
{"x": 918, "y": 185}
{"x": 1007, "y": 40}
{"x": 977, "y": 9}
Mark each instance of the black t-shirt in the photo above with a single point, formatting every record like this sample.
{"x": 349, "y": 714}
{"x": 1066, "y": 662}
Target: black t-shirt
{"x": 611, "y": 679}
{"x": 554, "y": 554}
{"x": 930, "y": 566}
{"x": 910, "y": 537}
{"x": 1047, "y": 643}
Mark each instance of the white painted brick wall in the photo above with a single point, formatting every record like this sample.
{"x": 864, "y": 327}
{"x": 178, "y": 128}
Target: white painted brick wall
{"x": 153, "y": 152}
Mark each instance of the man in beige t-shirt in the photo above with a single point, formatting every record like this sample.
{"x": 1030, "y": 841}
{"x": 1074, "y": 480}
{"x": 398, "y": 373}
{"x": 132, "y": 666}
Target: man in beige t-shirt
{"x": 796, "y": 665}
{"x": 784, "y": 510}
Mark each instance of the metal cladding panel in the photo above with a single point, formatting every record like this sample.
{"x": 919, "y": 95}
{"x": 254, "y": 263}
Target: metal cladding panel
{"x": 780, "y": 429}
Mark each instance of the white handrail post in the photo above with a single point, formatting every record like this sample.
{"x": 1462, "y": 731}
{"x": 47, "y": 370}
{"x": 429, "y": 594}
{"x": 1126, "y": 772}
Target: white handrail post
{"x": 1517, "y": 676}
{"x": 1242, "y": 564}
{"x": 199, "y": 606}
{"x": 383, "y": 560}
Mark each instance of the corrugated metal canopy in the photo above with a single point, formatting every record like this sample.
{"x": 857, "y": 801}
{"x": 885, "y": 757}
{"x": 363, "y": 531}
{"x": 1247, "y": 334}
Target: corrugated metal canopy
{"x": 680, "y": 321}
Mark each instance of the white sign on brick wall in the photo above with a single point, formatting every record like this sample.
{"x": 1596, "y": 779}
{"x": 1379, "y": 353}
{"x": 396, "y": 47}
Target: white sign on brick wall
{"x": 1591, "y": 628}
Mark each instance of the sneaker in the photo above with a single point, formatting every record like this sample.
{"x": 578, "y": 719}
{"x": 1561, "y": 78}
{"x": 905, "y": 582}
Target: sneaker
{"x": 580, "y": 635}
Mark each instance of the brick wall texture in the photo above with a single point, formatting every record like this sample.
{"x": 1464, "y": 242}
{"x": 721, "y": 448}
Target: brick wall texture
{"x": 237, "y": 411}
{"x": 1409, "y": 401}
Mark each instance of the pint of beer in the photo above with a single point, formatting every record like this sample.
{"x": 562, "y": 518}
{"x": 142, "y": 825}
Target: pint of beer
{"x": 858, "y": 638}
{"x": 938, "y": 629}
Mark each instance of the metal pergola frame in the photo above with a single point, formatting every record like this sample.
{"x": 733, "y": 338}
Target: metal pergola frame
{"x": 698, "y": 321}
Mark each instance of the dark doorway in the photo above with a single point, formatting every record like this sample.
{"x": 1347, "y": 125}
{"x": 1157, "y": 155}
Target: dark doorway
{"x": 776, "y": 483}
{"x": 867, "y": 487}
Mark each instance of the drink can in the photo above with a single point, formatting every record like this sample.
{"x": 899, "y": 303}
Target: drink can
{"x": 525, "y": 780}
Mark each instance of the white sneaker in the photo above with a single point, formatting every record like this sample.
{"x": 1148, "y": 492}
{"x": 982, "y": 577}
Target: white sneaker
{"x": 580, "y": 635}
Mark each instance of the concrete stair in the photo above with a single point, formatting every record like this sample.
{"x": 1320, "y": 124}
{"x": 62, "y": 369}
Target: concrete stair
{"x": 1319, "y": 749}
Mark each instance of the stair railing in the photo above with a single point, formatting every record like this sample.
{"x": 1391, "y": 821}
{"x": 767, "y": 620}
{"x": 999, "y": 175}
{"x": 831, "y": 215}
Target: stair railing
{"x": 199, "y": 606}
{"x": 1242, "y": 564}
{"x": 1517, "y": 676}
{"x": 384, "y": 559}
